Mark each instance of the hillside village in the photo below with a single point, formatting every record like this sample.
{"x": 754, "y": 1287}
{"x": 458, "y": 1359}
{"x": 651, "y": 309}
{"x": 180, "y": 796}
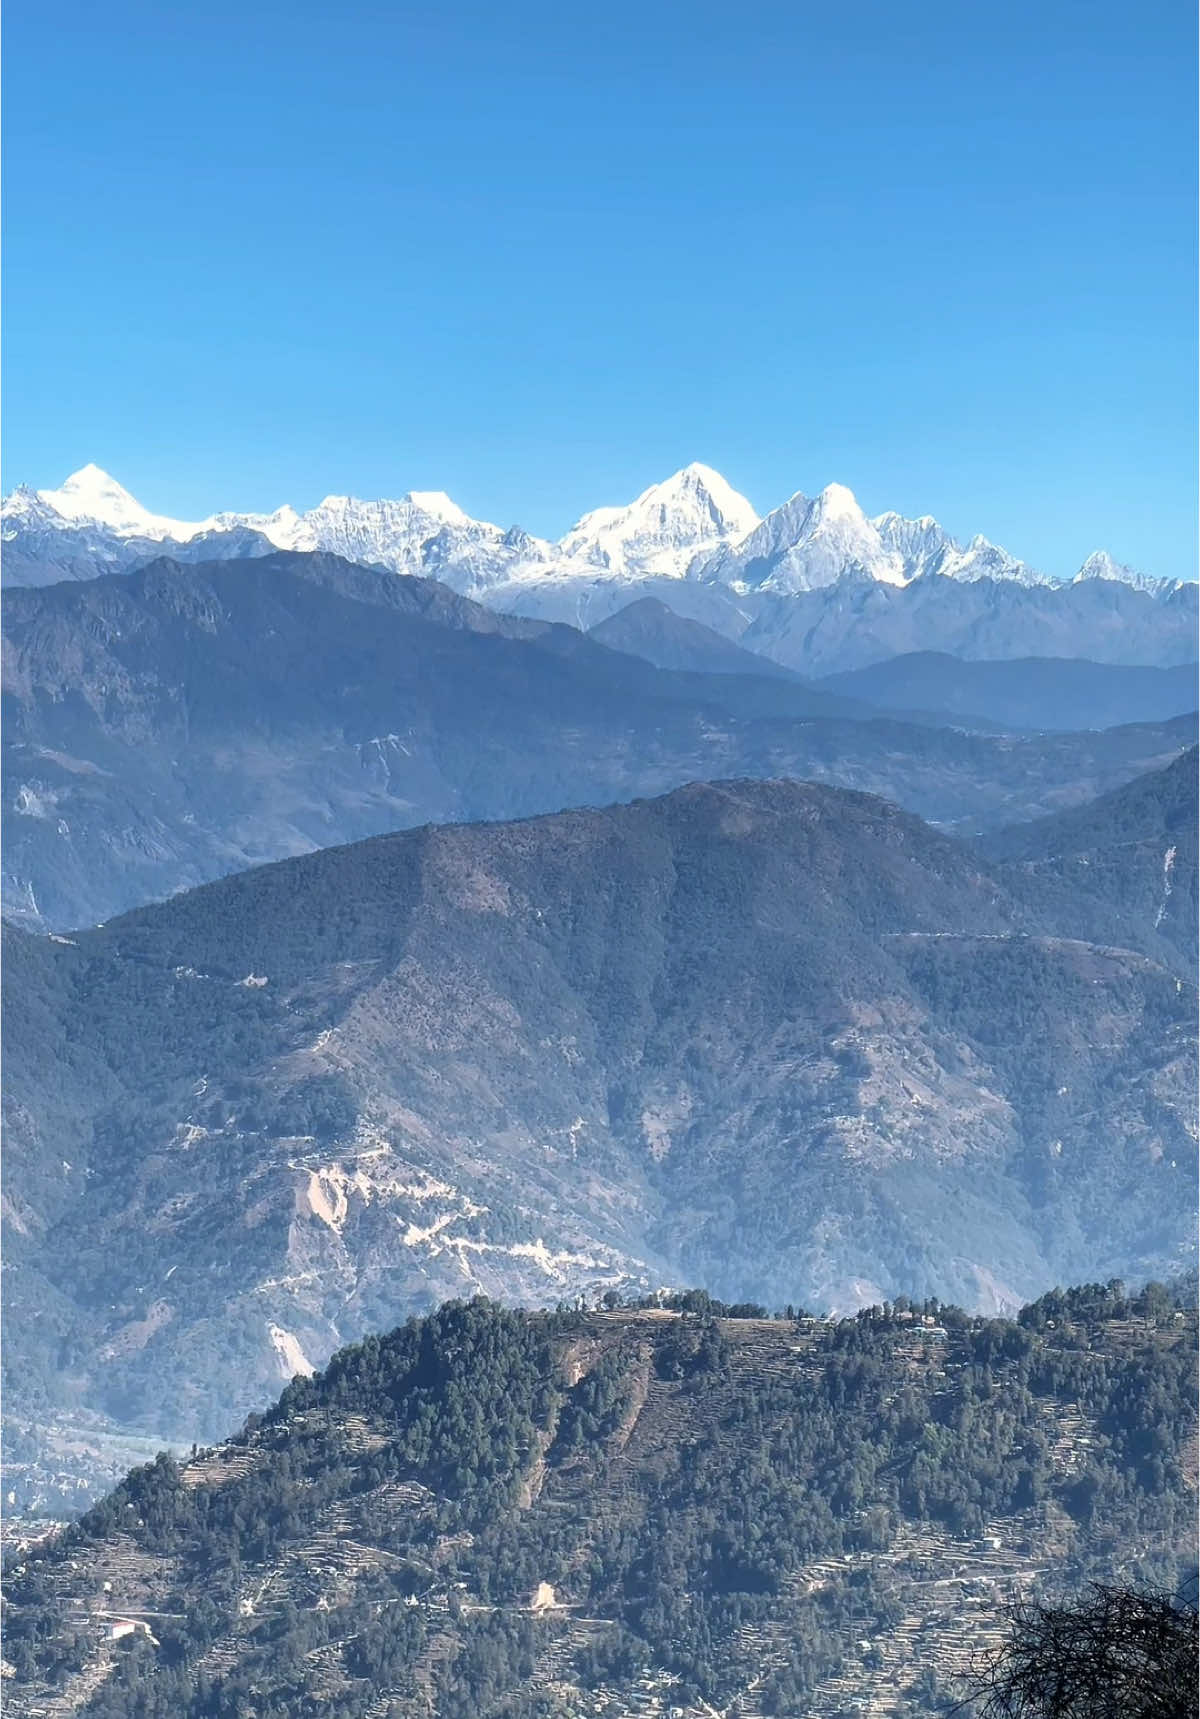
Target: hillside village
{"x": 895, "y": 1614}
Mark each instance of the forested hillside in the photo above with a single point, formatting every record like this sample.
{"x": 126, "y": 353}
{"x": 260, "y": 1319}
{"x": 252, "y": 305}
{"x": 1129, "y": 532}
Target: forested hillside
{"x": 1028, "y": 692}
{"x": 686, "y": 1507}
{"x": 782, "y": 1037}
{"x": 1120, "y": 869}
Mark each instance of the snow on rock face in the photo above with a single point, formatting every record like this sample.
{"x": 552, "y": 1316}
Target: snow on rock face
{"x": 984, "y": 560}
{"x": 1100, "y": 565}
{"x": 805, "y": 545}
{"x": 926, "y": 548}
{"x": 438, "y": 503}
{"x": 664, "y": 529}
{"x": 693, "y": 525}
{"x": 389, "y": 533}
{"x": 25, "y": 508}
{"x": 921, "y": 543}
{"x": 285, "y": 528}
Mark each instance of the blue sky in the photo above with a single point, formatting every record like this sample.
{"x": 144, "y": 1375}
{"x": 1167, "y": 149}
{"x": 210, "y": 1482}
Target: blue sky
{"x": 541, "y": 254}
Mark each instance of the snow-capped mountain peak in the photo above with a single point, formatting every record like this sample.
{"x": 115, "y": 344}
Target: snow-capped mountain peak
{"x": 927, "y": 548}
{"x": 693, "y": 524}
{"x": 285, "y": 528}
{"x": 982, "y": 559}
{"x": 438, "y": 503}
{"x": 837, "y": 502}
{"x": 837, "y": 533}
{"x": 785, "y": 523}
{"x": 431, "y": 503}
{"x": 921, "y": 542}
{"x": 25, "y": 503}
{"x": 394, "y": 534}
{"x": 667, "y": 526}
{"x": 1101, "y": 565}
{"x": 805, "y": 545}
{"x": 705, "y": 489}
{"x": 91, "y": 497}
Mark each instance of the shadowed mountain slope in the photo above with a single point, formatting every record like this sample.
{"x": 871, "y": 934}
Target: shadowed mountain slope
{"x": 1122, "y": 868}
{"x": 648, "y": 628}
{"x": 784, "y": 1038}
{"x": 177, "y": 724}
{"x": 1030, "y": 692}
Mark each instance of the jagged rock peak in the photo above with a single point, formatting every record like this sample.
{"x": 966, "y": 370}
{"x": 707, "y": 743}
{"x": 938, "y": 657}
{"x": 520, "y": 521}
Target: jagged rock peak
{"x": 664, "y": 528}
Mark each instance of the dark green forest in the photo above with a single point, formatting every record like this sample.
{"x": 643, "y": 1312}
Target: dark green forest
{"x": 670, "y": 1468}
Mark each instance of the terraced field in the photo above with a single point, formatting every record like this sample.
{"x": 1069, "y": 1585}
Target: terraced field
{"x": 651, "y": 1491}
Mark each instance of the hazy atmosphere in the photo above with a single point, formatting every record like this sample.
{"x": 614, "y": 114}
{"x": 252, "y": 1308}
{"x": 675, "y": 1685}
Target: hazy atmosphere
{"x": 598, "y": 862}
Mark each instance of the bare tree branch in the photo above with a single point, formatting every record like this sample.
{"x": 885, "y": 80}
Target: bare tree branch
{"x": 1117, "y": 1654}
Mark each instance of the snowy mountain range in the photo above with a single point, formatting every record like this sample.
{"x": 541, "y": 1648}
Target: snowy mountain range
{"x": 799, "y": 585}
{"x": 693, "y": 525}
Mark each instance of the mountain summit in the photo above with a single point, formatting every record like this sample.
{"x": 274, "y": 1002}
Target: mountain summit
{"x": 692, "y": 523}
{"x": 816, "y": 585}
{"x": 805, "y": 545}
{"x": 91, "y": 497}
{"x": 666, "y": 528}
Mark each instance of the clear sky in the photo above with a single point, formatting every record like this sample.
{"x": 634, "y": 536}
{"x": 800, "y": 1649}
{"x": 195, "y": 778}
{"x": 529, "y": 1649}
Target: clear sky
{"x": 540, "y": 253}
